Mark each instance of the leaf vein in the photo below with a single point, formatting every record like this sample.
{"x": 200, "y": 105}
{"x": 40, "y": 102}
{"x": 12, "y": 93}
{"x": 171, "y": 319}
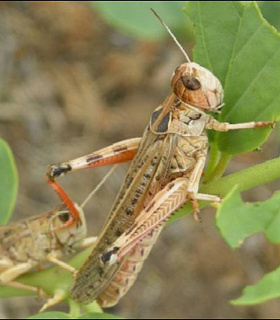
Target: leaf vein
{"x": 233, "y": 50}
{"x": 253, "y": 81}
{"x": 203, "y": 36}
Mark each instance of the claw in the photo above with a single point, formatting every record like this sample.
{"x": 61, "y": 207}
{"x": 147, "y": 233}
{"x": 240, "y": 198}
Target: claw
{"x": 75, "y": 273}
{"x": 263, "y": 124}
{"x": 195, "y": 206}
{"x": 59, "y": 296}
{"x": 196, "y": 216}
{"x": 42, "y": 293}
{"x": 57, "y": 170}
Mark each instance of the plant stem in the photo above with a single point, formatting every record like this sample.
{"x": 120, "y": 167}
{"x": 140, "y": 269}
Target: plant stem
{"x": 214, "y": 157}
{"x": 220, "y": 168}
{"x": 75, "y": 310}
{"x": 245, "y": 179}
{"x": 93, "y": 308}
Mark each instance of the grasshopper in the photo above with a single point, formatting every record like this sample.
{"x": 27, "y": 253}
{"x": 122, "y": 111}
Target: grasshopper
{"x": 167, "y": 164}
{"x": 43, "y": 238}
{"x": 31, "y": 242}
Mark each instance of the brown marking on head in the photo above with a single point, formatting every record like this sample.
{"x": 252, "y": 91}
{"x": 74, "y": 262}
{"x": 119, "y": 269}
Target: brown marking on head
{"x": 197, "y": 86}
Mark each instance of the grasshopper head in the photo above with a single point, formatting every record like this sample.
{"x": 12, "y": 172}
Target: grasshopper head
{"x": 197, "y": 87}
{"x": 68, "y": 231}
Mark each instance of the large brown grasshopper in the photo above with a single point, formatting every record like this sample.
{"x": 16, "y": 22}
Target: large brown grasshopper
{"x": 165, "y": 172}
{"x": 43, "y": 238}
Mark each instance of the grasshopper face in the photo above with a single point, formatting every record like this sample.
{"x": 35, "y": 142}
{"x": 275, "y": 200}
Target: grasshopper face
{"x": 27, "y": 243}
{"x": 197, "y": 86}
{"x": 69, "y": 236}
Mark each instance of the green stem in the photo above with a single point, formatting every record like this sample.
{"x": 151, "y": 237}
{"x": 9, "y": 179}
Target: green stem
{"x": 93, "y": 308}
{"x": 214, "y": 157}
{"x": 245, "y": 179}
{"x": 220, "y": 168}
{"x": 75, "y": 309}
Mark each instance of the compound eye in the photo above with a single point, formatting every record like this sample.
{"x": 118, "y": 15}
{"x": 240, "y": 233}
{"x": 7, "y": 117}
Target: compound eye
{"x": 64, "y": 217}
{"x": 190, "y": 82}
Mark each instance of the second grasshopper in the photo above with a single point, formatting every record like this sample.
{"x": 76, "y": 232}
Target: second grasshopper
{"x": 28, "y": 243}
{"x": 46, "y": 237}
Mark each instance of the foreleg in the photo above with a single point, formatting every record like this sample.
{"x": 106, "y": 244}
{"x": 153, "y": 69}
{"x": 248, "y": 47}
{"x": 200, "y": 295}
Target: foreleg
{"x": 54, "y": 257}
{"x": 225, "y": 126}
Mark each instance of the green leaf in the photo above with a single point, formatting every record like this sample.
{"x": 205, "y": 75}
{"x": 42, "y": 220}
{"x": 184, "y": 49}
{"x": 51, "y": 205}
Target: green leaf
{"x": 237, "y": 220}
{"x": 135, "y": 17}
{"x": 243, "y": 51}
{"x": 98, "y": 315}
{"x": 62, "y": 315}
{"x": 271, "y": 12}
{"x": 51, "y": 315}
{"x": 267, "y": 288}
{"x": 8, "y": 182}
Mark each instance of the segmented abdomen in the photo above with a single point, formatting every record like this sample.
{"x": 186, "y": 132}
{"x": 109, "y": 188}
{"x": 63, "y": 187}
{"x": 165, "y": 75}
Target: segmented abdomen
{"x": 127, "y": 274}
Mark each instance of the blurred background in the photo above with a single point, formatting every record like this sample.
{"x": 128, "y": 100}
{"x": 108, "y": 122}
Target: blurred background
{"x": 78, "y": 76}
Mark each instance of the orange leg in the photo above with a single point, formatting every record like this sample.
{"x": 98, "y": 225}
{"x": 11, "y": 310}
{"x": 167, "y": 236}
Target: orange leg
{"x": 66, "y": 200}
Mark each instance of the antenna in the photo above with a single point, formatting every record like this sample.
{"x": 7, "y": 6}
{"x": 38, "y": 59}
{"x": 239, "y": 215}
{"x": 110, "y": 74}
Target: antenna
{"x": 172, "y": 35}
{"x": 98, "y": 186}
